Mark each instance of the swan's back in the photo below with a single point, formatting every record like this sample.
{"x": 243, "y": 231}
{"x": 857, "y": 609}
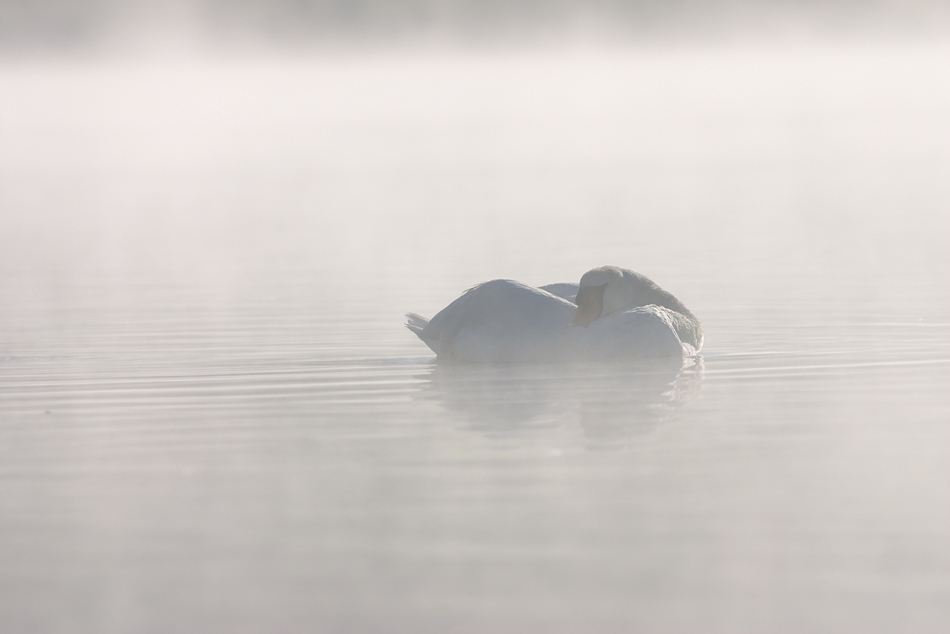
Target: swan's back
{"x": 501, "y": 320}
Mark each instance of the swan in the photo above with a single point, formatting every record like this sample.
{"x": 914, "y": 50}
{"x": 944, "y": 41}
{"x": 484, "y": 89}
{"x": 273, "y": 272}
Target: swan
{"x": 612, "y": 313}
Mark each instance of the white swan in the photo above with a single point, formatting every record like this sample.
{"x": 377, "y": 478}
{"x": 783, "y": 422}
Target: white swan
{"x": 618, "y": 314}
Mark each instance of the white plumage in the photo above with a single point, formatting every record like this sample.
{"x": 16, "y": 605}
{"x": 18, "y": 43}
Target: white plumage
{"x": 507, "y": 321}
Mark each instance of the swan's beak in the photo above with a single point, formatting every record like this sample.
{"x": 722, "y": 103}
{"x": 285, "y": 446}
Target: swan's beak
{"x": 583, "y": 318}
{"x": 590, "y": 303}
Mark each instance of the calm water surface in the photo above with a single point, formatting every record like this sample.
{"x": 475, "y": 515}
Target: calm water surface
{"x": 212, "y": 419}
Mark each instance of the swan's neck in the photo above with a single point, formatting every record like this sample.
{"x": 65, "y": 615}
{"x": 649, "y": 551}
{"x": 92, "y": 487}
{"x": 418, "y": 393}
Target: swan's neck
{"x": 653, "y": 294}
{"x": 684, "y": 321}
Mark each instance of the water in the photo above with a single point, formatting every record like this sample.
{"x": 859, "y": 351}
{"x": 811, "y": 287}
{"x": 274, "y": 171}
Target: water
{"x": 213, "y": 419}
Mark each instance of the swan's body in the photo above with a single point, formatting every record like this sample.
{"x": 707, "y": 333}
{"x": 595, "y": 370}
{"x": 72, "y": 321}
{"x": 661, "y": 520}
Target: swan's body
{"x": 619, "y": 314}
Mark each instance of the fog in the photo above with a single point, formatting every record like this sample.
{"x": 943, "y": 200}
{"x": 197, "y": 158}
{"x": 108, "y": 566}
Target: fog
{"x": 214, "y": 217}
{"x": 77, "y": 25}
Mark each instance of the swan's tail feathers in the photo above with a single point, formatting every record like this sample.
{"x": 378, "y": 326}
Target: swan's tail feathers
{"x": 416, "y": 323}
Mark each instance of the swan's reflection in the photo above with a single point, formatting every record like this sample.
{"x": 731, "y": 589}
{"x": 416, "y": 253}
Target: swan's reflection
{"x": 611, "y": 403}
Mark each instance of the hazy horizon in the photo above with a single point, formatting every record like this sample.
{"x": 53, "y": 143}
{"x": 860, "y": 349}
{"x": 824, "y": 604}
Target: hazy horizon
{"x": 56, "y": 25}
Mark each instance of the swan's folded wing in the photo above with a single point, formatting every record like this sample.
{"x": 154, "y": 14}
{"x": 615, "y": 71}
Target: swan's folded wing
{"x": 644, "y": 332}
{"x": 500, "y": 321}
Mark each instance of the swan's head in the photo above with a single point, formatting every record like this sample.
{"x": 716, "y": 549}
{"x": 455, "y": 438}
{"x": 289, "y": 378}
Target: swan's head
{"x": 602, "y": 291}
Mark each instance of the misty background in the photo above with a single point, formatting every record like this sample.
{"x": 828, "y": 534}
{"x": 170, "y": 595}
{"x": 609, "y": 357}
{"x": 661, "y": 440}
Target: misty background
{"x": 77, "y": 24}
{"x": 215, "y": 215}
